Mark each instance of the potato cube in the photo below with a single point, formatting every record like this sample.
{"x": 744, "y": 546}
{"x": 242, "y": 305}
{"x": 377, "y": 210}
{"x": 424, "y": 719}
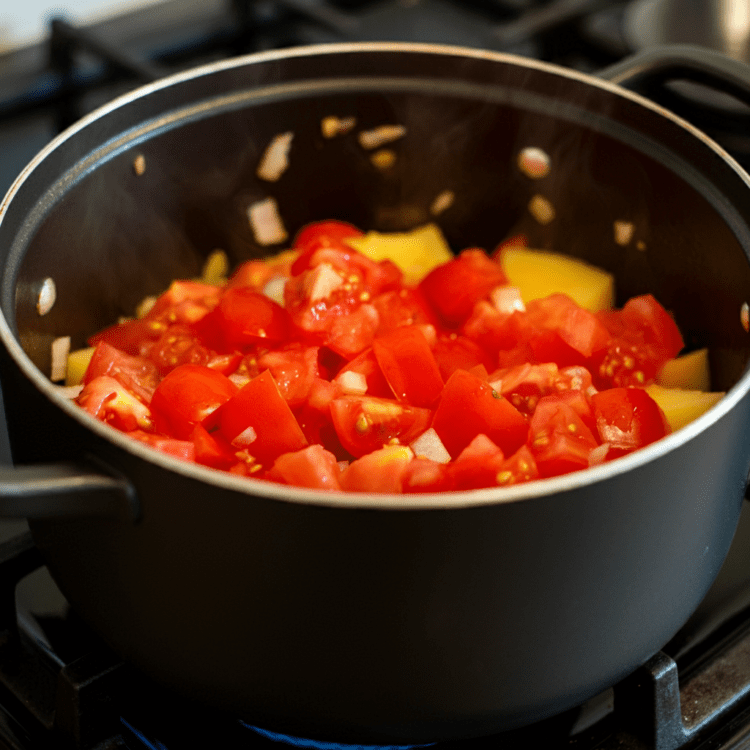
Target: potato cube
{"x": 416, "y": 252}
{"x": 688, "y": 371}
{"x": 539, "y": 273}
{"x": 78, "y": 361}
{"x": 682, "y": 406}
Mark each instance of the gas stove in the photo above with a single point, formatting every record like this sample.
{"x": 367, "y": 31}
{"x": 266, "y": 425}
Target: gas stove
{"x": 60, "y": 686}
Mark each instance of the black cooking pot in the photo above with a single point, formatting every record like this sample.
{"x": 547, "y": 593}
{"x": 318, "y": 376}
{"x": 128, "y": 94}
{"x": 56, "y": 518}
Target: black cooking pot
{"x": 363, "y": 617}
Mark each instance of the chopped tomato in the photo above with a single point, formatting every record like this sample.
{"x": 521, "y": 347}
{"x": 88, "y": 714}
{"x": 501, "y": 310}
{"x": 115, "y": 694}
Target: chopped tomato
{"x": 322, "y": 234}
{"x": 627, "y": 419}
{"x": 247, "y": 317}
{"x": 109, "y": 400}
{"x": 361, "y": 382}
{"x": 313, "y": 466}
{"x": 366, "y": 364}
{"x": 477, "y": 465}
{"x": 455, "y": 287}
{"x": 183, "y": 449}
{"x": 211, "y": 449}
{"x": 559, "y": 439}
{"x": 294, "y": 368}
{"x": 138, "y": 374}
{"x": 455, "y": 352}
{"x": 409, "y": 366}
{"x": 129, "y": 336}
{"x": 643, "y": 337}
{"x": 259, "y": 419}
{"x": 188, "y": 395}
{"x": 379, "y": 471}
{"x": 366, "y": 423}
{"x": 177, "y": 345}
{"x": 566, "y": 333}
{"x": 469, "y": 407}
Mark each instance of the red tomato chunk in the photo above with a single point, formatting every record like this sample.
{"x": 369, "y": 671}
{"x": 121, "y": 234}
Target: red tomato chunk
{"x": 359, "y": 382}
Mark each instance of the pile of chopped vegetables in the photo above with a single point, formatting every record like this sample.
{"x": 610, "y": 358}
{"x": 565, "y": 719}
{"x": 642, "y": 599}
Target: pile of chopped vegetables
{"x": 382, "y": 363}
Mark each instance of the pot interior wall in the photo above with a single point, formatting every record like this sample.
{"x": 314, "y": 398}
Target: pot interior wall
{"x": 109, "y": 234}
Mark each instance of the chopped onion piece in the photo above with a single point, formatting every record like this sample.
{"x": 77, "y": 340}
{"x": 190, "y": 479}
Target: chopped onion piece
{"x": 507, "y": 299}
{"x": 266, "y": 223}
{"x": 139, "y": 165}
{"x": 384, "y": 158}
{"x": 321, "y": 282}
{"x": 69, "y": 391}
{"x": 47, "y": 296}
{"x": 442, "y": 202}
{"x": 534, "y": 162}
{"x": 371, "y": 139}
{"x": 274, "y": 289}
{"x": 332, "y": 126}
{"x": 275, "y": 159}
{"x": 60, "y": 351}
{"x": 245, "y": 438}
{"x": 541, "y": 209}
{"x": 598, "y": 454}
{"x": 624, "y": 231}
{"x": 352, "y": 383}
{"x": 429, "y": 445}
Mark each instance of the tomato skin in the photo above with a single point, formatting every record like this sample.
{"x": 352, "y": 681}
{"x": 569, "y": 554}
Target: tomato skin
{"x": 260, "y": 406}
{"x": 351, "y": 335}
{"x": 477, "y": 465}
{"x": 456, "y": 352}
{"x": 129, "y": 336}
{"x": 403, "y": 307}
{"x": 211, "y": 449}
{"x": 294, "y": 368}
{"x": 313, "y": 467}
{"x": 189, "y": 394}
{"x": 379, "y": 471}
{"x": 643, "y": 337}
{"x": 367, "y": 365}
{"x": 558, "y": 438}
{"x": 138, "y": 374}
{"x": 409, "y": 367}
{"x": 183, "y": 449}
{"x": 627, "y": 419}
{"x": 365, "y": 423}
{"x": 321, "y": 234}
{"x": 520, "y": 467}
{"x": 110, "y": 401}
{"x": 577, "y": 329}
{"x": 455, "y": 287}
{"x": 247, "y": 317}
{"x": 469, "y": 407}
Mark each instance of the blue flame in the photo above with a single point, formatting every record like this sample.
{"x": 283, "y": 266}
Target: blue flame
{"x": 318, "y": 745}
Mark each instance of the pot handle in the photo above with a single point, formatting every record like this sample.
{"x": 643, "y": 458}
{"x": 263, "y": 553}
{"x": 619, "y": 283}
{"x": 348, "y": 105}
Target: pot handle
{"x": 65, "y": 490}
{"x": 688, "y": 62}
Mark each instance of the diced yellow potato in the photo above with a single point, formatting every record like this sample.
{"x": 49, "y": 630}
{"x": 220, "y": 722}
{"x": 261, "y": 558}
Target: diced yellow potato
{"x": 689, "y": 371}
{"x": 416, "y": 252}
{"x": 78, "y": 361}
{"x": 539, "y": 273}
{"x": 682, "y": 406}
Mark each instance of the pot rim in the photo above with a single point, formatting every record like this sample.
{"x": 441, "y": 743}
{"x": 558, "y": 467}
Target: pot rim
{"x": 352, "y": 500}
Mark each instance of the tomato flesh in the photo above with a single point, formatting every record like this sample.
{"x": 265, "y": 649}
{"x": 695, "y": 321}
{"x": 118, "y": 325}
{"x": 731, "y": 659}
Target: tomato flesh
{"x": 329, "y": 389}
